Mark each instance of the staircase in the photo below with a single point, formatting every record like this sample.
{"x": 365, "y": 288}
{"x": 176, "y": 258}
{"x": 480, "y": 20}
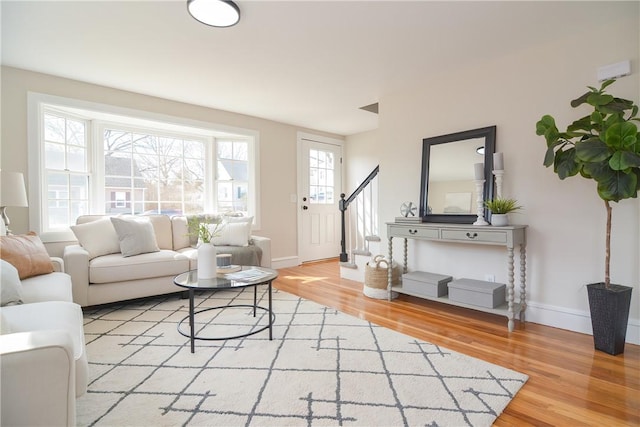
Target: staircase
{"x": 359, "y": 222}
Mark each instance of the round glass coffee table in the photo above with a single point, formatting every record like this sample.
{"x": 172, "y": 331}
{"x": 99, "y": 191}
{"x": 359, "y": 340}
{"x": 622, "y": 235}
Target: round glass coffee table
{"x": 248, "y": 276}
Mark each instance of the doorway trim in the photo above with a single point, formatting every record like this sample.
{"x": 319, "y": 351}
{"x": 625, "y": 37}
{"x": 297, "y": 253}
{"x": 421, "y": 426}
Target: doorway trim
{"x": 300, "y": 138}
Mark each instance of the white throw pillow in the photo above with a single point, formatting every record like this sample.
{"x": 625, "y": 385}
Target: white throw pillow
{"x": 136, "y": 236}
{"x": 11, "y": 289}
{"x": 97, "y": 237}
{"x": 248, "y": 219}
{"x": 233, "y": 234}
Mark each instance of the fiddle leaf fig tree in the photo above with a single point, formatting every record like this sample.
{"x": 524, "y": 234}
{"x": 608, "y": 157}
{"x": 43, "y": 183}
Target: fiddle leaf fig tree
{"x": 603, "y": 146}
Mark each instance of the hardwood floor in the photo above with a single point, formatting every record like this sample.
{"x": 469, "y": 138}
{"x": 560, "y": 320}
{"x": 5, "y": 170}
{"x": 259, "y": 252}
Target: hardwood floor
{"x": 569, "y": 384}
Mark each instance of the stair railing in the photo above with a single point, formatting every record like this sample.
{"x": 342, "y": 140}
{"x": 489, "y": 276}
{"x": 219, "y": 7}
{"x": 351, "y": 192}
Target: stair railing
{"x": 363, "y": 216}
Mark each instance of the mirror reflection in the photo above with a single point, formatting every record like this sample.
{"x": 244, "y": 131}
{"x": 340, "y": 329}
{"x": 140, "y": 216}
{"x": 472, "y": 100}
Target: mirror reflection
{"x": 451, "y": 176}
{"x": 447, "y": 188}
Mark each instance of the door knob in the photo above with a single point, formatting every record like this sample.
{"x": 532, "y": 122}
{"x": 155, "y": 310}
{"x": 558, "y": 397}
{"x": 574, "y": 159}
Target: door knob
{"x": 304, "y": 207}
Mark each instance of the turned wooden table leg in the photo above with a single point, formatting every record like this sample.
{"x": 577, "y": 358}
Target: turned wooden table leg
{"x": 389, "y": 271}
{"x": 523, "y": 279}
{"x": 510, "y": 284}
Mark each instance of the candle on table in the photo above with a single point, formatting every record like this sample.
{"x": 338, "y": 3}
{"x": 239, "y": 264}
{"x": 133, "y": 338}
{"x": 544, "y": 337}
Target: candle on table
{"x": 479, "y": 170}
{"x": 498, "y": 162}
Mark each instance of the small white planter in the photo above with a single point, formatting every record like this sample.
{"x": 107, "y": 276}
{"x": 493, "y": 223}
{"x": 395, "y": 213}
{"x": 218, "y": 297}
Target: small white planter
{"x": 499, "y": 220}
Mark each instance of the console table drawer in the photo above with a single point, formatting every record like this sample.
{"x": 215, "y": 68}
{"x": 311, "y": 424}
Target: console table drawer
{"x": 413, "y": 232}
{"x": 472, "y": 235}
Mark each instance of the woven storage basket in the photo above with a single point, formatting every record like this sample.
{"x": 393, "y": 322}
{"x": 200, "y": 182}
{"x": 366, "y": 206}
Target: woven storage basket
{"x": 376, "y": 276}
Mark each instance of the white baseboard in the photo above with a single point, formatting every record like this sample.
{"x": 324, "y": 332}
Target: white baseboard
{"x": 573, "y": 320}
{"x": 284, "y": 262}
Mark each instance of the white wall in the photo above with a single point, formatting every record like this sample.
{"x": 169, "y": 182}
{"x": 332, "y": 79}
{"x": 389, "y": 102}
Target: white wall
{"x": 566, "y": 219}
{"x": 277, "y": 180}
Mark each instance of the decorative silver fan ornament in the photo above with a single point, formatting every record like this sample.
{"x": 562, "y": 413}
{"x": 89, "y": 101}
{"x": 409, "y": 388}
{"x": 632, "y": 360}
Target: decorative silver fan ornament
{"x": 408, "y": 209}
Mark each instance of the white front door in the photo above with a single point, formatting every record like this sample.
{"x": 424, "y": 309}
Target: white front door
{"x": 320, "y": 184}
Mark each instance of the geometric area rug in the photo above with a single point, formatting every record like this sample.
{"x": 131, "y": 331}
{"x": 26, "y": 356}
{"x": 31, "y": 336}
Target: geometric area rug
{"x": 322, "y": 368}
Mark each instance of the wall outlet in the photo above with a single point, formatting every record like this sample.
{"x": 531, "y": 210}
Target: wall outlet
{"x": 489, "y": 278}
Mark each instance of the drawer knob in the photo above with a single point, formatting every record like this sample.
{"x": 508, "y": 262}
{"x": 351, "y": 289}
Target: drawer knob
{"x": 472, "y": 236}
{"x": 413, "y": 231}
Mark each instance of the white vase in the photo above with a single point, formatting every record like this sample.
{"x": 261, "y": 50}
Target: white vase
{"x": 499, "y": 220}
{"x": 206, "y": 261}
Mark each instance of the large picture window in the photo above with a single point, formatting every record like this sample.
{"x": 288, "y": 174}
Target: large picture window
{"x": 97, "y": 163}
{"x": 150, "y": 173}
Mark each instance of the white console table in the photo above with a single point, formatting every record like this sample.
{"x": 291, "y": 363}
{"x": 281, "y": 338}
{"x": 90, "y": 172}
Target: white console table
{"x": 509, "y": 236}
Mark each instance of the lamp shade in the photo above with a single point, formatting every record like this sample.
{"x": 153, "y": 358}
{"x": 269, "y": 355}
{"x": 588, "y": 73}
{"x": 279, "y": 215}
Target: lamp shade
{"x": 216, "y": 13}
{"x": 13, "y": 190}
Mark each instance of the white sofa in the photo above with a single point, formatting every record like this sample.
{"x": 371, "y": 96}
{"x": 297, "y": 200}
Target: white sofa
{"x": 43, "y": 361}
{"x": 113, "y": 277}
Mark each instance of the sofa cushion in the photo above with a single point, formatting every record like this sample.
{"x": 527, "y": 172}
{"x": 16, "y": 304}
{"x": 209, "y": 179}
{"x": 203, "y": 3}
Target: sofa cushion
{"x": 232, "y": 234}
{"x": 162, "y": 227}
{"x": 11, "y": 287}
{"x": 47, "y": 287}
{"x": 26, "y": 253}
{"x": 116, "y": 268}
{"x": 98, "y": 237}
{"x": 136, "y": 236}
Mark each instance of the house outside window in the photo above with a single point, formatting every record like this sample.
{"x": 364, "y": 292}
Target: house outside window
{"x": 232, "y": 175}
{"x": 117, "y": 165}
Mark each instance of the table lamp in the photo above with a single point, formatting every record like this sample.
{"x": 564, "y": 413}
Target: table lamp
{"x": 13, "y": 194}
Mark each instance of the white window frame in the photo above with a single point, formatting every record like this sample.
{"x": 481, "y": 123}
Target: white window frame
{"x": 103, "y": 113}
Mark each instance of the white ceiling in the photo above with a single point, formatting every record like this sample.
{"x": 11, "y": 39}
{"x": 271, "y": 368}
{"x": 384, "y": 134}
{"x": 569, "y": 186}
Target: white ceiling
{"x": 307, "y": 63}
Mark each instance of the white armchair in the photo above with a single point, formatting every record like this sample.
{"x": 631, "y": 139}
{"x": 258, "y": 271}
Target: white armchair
{"x": 43, "y": 361}
{"x": 38, "y": 379}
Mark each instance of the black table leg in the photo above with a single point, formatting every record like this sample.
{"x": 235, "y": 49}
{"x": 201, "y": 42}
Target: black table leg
{"x": 191, "y": 321}
{"x": 270, "y": 315}
{"x": 255, "y": 299}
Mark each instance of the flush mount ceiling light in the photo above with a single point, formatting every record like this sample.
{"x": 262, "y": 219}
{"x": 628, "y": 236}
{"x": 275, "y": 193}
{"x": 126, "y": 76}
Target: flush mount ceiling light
{"x": 216, "y": 13}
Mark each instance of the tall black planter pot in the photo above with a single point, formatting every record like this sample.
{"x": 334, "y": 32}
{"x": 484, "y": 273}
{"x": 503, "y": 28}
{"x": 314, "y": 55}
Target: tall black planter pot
{"x": 609, "y": 316}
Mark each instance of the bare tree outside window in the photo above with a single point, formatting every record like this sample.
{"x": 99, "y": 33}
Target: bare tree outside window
{"x": 161, "y": 174}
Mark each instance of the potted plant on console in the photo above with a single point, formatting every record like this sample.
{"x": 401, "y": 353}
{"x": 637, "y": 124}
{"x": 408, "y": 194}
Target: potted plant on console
{"x": 500, "y": 208}
{"x": 603, "y": 146}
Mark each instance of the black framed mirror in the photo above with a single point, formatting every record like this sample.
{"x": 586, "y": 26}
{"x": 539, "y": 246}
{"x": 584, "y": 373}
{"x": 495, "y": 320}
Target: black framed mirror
{"x": 447, "y": 187}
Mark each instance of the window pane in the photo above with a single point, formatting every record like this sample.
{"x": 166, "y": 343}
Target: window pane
{"x": 79, "y": 187}
{"x": 225, "y": 150}
{"x": 193, "y": 169}
{"x": 78, "y": 208}
{"x": 54, "y": 156}
{"x": 225, "y": 192}
{"x": 223, "y": 171}
{"x": 53, "y": 128}
{"x": 241, "y": 151}
{"x": 194, "y": 149}
{"x": 329, "y": 195}
{"x": 76, "y": 133}
{"x": 322, "y": 177}
{"x": 144, "y": 144}
{"x": 240, "y": 171}
{"x": 58, "y": 213}
{"x": 146, "y": 166}
{"x": 76, "y": 159}
{"x": 313, "y": 158}
{"x": 322, "y": 159}
{"x": 117, "y": 141}
{"x": 329, "y": 159}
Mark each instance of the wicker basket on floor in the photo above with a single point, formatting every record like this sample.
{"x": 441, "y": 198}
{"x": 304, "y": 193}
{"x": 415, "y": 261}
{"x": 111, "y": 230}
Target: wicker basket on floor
{"x": 376, "y": 276}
